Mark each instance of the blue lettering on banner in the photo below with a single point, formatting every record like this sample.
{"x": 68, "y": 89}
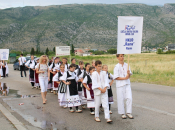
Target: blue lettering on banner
{"x": 129, "y": 42}
{"x": 129, "y": 30}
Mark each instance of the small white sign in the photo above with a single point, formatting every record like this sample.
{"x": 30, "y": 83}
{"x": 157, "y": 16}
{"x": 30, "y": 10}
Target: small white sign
{"x": 4, "y": 54}
{"x": 129, "y": 34}
{"x": 62, "y": 50}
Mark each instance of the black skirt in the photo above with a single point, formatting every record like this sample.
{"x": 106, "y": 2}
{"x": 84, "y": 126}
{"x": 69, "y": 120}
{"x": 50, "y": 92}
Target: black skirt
{"x": 51, "y": 76}
{"x": 32, "y": 73}
{"x": 79, "y": 86}
{"x": 110, "y": 94}
{"x": 73, "y": 87}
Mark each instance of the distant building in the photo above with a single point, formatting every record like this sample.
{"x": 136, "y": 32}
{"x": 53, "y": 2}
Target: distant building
{"x": 171, "y": 46}
{"x": 79, "y": 52}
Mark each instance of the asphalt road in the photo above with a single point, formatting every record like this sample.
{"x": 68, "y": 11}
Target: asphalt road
{"x": 153, "y": 108}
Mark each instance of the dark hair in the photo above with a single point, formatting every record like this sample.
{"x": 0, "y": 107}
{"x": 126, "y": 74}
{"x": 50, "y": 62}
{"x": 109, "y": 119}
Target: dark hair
{"x": 72, "y": 65}
{"x": 64, "y": 58}
{"x": 81, "y": 62}
{"x": 91, "y": 68}
{"x": 87, "y": 64}
{"x": 72, "y": 59}
{"x": 22, "y": 54}
{"x": 62, "y": 65}
{"x": 98, "y": 62}
{"x": 4, "y": 86}
{"x": 117, "y": 55}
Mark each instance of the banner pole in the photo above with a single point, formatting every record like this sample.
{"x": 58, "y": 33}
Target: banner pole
{"x": 128, "y": 60}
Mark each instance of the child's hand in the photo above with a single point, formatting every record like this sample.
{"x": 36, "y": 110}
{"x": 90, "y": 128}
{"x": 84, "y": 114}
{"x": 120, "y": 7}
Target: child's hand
{"x": 68, "y": 83}
{"x": 128, "y": 72}
{"x": 58, "y": 82}
{"x": 88, "y": 89}
{"x": 127, "y": 76}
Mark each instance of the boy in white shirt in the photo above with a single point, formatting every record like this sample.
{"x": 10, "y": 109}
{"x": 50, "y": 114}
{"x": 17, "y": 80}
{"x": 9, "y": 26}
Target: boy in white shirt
{"x": 100, "y": 85}
{"x": 22, "y": 61}
{"x": 122, "y": 75}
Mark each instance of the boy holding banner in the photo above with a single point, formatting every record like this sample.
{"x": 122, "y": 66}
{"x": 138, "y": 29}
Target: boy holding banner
{"x": 122, "y": 75}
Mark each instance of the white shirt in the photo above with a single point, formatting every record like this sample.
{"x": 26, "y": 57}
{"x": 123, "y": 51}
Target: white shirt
{"x": 55, "y": 77}
{"x": 121, "y": 71}
{"x": 31, "y": 65}
{"x": 73, "y": 76}
{"x": 66, "y": 68}
{"x": 54, "y": 68}
{"x": 22, "y": 60}
{"x": 86, "y": 79}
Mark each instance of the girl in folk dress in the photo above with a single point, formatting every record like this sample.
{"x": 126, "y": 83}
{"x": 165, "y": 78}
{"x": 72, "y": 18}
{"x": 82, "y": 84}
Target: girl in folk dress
{"x": 56, "y": 79}
{"x": 44, "y": 76}
{"x": 111, "y": 80}
{"x": 31, "y": 65}
{"x": 53, "y": 71}
{"x": 87, "y": 83}
{"x": 73, "y": 99}
{"x": 80, "y": 72}
{"x": 1, "y": 65}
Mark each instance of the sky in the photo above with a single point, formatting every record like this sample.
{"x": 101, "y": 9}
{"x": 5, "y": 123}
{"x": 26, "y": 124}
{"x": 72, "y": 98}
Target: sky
{"x": 21, "y": 3}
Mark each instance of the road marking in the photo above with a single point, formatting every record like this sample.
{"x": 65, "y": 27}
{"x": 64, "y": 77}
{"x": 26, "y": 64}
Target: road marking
{"x": 18, "y": 125}
{"x": 154, "y": 109}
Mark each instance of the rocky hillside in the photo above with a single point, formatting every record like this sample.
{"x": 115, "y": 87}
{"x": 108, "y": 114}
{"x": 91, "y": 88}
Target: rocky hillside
{"x": 85, "y": 25}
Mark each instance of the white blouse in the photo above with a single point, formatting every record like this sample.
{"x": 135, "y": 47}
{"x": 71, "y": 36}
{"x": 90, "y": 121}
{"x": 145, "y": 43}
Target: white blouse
{"x": 121, "y": 71}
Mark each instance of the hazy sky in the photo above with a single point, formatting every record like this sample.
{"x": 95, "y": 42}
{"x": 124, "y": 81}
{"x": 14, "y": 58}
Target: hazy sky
{"x": 20, "y": 3}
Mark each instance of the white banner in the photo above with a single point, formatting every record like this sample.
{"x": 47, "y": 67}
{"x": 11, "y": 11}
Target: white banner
{"x": 4, "y": 54}
{"x": 129, "y": 34}
{"x": 62, "y": 50}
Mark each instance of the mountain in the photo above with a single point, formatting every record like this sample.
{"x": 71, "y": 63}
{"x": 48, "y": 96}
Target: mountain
{"x": 84, "y": 25}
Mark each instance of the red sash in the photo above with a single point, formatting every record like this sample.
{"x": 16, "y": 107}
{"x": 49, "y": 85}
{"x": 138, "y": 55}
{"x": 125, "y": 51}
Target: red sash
{"x": 56, "y": 84}
{"x": 36, "y": 78}
{"x": 91, "y": 91}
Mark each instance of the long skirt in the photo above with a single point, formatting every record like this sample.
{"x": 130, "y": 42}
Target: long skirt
{"x": 90, "y": 97}
{"x": 31, "y": 75}
{"x": 50, "y": 82}
{"x": 110, "y": 96}
{"x": 82, "y": 93}
{"x": 73, "y": 99}
{"x": 36, "y": 79}
{"x": 62, "y": 98}
{"x": 55, "y": 85}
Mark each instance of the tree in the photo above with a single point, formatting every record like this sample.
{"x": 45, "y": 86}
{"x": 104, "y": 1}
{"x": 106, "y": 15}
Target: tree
{"x": 37, "y": 51}
{"x": 72, "y": 49}
{"x": 32, "y": 51}
{"x": 47, "y": 51}
{"x": 112, "y": 51}
{"x": 54, "y": 49}
{"x": 159, "y": 51}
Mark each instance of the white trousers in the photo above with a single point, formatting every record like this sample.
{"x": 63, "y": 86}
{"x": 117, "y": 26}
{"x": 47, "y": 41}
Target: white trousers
{"x": 124, "y": 93}
{"x": 43, "y": 83}
{"x": 102, "y": 99}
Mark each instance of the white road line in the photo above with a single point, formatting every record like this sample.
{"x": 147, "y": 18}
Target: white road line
{"x": 11, "y": 118}
{"x": 154, "y": 109}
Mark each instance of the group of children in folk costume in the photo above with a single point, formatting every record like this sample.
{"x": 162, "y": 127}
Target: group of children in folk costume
{"x": 91, "y": 85}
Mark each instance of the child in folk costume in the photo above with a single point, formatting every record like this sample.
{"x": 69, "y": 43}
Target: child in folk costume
{"x": 122, "y": 75}
{"x": 73, "y": 61}
{"x": 36, "y": 75}
{"x": 56, "y": 79}
{"x": 100, "y": 85}
{"x": 110, "y": 79}
{"x": 73, "y": 99}
{"x": 80, "y": 72}
{"x": 31, "y": 65}
{"x": 64, "y": 61}
{"x": 53, "y": 71}
{"x": 87, "y": 83}
{"x": 93, "y": 63}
